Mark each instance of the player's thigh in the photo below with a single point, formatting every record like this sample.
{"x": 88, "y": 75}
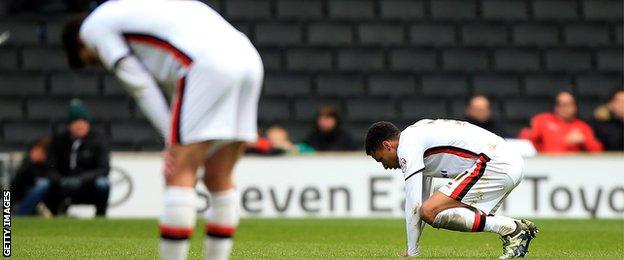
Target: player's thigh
{"x": 218, "y": 166}
{"x": 436, "y": 204}
{"x": 185, "y": 160}
{"x": 483, "y": 190}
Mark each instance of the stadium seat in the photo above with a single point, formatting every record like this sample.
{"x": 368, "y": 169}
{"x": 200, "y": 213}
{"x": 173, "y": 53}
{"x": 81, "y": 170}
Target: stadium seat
{"x": 297, "y": 131}
{"x": 524, "y": 109}
{"x": 432, "y": 34}
{"x": 586, "y": 107}
{"x": 329, "y": 34}
{"x": 44, "y": 58}
{"x": 24, "y": 132}
{"x": 586, "y": 35}
{"x": 391, "y": 85}
{"x": 402, "y": 9}
{"x": 308, "y": 60}
{"x": 484, "y": 35}
{"x": 22, "y": 83}
{"x": 54, "y": 29}
{"x": 609, "y": 10}
{"x": 273, "y": 109}
{"x": 496, "y": 85}
{"x": 112, "y": 108}
{"x": 412, "y": 60}
{"x": 351, "y": 9}
{"x": 22, "y": 31}
{"x": 306, "y": 109}
{"x": 74, "y": 83}
{"x": 554, "y": 9}
{"x": 370, "y": 110}
{"x": 339, "y": 85}
{"x": 248, "y": 9}
{"x": 454, "y": 9}
{"x": 271, "y": 59}
{"x": 299, "y": 9}
{"x": 277, "y": 34}
{"x": 546, "y": 85}
{"x": 535, "y": 35}
{"x": 113, "y": 87}
{"x": 619, "y": 32}
{"x": 444, "y": 85}
{"x": 597, "y": 85}
{"x": 567, "y": 60}
{"x": 286, "y": 85}
{"x": 516, "y": 60}
{"x": 47, "y": 108}
{"x": 611, "y": 60}
{"x": 504, "y": 9}
{"x": 10, "y": 109}
{"x": 465, "y": 60}
{"x": 414, "y": 109}
{"x": 8, "y": 58}
{"x": 360, "y": 60}
{"x": 133, "y": 132}
{"x": 381, "y": 34}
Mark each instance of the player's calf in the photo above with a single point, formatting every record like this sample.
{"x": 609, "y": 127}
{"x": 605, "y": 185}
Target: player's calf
{"x": 221, "y": 222}
{"x": 177, "y": 222}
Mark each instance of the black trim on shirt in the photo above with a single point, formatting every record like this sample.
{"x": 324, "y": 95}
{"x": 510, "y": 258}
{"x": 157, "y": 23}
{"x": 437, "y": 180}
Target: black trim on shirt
{"x": 410, "y": 176}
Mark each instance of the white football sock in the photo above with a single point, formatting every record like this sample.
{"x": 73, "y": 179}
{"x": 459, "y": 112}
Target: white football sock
{"x": 500, "y": 224}
{"x": 467, "y": 220}
{"x": 457, "y": 219}
{"x": 177, "y": 222}
{"x": 221, "y": 221}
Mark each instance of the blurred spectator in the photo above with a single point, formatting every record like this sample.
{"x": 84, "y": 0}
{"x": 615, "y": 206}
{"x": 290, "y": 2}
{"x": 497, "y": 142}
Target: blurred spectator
{"x": 278, "y": 137}
{"x": 31, "y": 183}
{"x": 478, "y": 113}
{"x": 561, "y": 131}
{"x": 328, "y": 134}
{"x": 79, "y": 162}
{"x": 609, "y": 124}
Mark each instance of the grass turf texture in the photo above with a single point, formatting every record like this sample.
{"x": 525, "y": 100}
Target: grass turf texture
{"x": 35, "y": 238}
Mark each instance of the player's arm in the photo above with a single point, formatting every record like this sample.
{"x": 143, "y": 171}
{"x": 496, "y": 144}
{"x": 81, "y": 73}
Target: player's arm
{"x": 414, "y": 190}
{"x": 100, "y": 33}
{"x": 142, "y": 86}
{"x": 410, "y": 154}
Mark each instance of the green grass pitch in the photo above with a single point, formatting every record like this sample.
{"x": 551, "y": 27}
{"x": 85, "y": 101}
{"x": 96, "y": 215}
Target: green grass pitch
{"x": 35, "y": 238}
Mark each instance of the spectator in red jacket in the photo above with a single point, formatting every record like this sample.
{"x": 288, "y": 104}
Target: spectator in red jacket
{"x": 561, "y": 131}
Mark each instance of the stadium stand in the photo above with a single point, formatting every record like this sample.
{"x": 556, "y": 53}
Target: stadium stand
{"x": 398, "y": 60}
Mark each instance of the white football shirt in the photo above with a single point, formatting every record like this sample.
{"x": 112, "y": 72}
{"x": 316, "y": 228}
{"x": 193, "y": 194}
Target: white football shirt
{"x": 445, "y": 148}
{"x": 165, "y": 35}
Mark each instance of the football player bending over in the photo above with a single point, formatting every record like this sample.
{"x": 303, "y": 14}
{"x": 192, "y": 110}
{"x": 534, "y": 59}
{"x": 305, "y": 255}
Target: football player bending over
{"x": 482, "y": 170}
{"x": 185, "y": 52}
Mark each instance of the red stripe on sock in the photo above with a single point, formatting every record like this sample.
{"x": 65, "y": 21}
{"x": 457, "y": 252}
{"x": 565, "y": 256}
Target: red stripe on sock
{"x": 179, "y": 232}
{"x": 220, "y": 230}
{"x": 477, "y": 222}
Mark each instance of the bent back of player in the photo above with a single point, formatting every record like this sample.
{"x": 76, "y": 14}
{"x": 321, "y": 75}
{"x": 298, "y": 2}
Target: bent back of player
{"x": 482, "y": 170}
{"x": 184, "y": 52}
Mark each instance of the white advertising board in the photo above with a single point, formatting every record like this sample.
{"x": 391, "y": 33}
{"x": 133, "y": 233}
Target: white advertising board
{"x": 353, "y": 185}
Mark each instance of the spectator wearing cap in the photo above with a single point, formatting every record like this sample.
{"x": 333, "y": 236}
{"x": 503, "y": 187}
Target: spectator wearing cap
{"x": 609, "y": 126}
{"x": 79, "y": 162}
{"x": 328, "y": 134}
{"x": 478, "y": 113}
{"x": 561, "y": 131}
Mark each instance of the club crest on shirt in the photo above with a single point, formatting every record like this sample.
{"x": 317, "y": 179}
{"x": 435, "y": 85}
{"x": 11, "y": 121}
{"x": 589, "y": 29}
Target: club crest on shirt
{"x": 403, "y": 164}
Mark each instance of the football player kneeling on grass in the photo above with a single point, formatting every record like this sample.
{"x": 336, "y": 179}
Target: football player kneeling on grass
{"x": 482, "y": 170}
